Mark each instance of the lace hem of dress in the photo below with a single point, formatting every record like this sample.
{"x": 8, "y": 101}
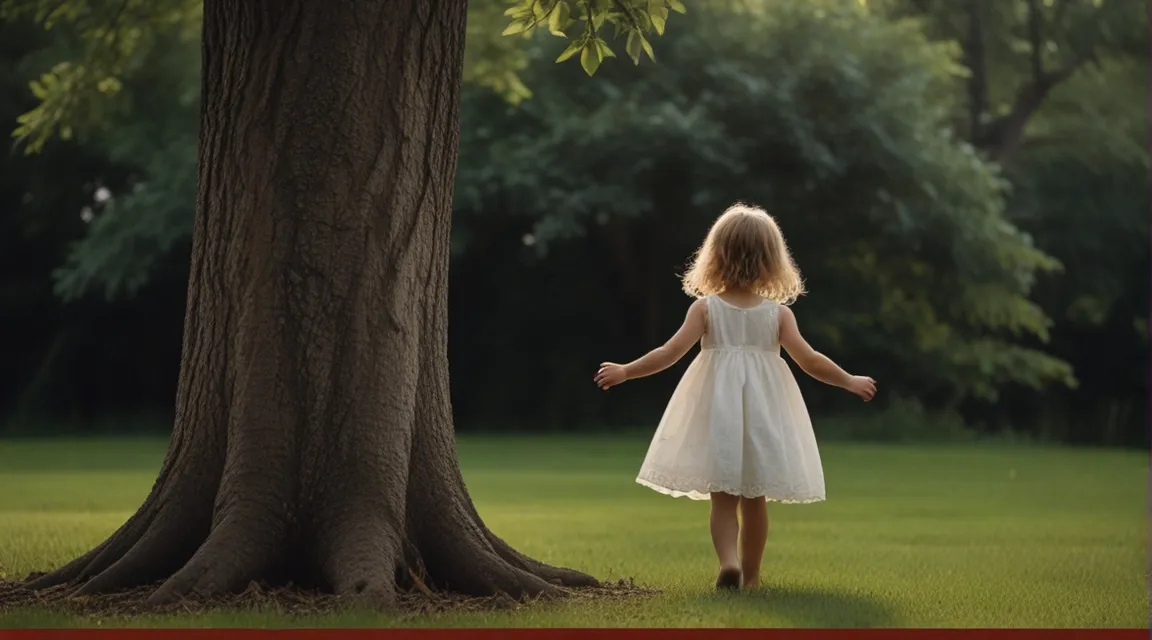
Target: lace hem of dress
{"x": 699, "y": 489}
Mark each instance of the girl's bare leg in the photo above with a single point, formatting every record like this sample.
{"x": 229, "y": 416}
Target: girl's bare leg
{"x": 725, "y": 527}
{"x": 753, "y": 536}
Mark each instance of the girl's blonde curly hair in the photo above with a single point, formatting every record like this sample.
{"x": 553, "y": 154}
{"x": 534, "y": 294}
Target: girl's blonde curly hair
{"x": 744, "y": 250}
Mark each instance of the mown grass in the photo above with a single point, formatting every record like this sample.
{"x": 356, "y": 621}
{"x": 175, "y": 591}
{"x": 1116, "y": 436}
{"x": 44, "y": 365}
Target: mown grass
{"x": 947, "y": 536}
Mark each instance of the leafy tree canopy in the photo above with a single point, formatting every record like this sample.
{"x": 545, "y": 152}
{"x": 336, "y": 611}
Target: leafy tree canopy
{"x": 835, "y": 114}
{"x": 127, "y": 80}
{"x": 849, "y": 145}
{"x": 115, "y": 40}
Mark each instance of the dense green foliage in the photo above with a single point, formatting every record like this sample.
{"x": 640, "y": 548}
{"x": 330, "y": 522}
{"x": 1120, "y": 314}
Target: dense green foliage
{"x": 111, "y": 42}
{"x": 973, "y": 537}
{"x": 848, "y": 147}
{"x": 1006, "y": 291}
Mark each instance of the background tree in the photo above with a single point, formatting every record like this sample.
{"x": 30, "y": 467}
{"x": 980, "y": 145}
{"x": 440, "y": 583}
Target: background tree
{"x": 1018, "y": 51}
{"x": 1081, "y": 190}
{"x": 901, "y": 230}
{"x": 1056, "y": 93}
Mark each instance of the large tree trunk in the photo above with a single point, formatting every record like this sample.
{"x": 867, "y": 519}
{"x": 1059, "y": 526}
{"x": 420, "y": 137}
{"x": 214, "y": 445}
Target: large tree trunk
{"x": 313, "y": 438}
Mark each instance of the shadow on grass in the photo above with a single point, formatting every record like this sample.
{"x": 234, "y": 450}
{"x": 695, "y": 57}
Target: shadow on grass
{"x": 807, "y": 607}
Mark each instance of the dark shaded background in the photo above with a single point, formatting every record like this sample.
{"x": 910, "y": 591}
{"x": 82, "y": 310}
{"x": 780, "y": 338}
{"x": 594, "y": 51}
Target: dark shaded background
{"x": 578, "y": 207}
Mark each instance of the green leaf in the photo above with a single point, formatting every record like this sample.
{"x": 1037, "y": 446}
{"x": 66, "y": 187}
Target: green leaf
{"x": 603, "y": 50}
{"x": 633, "y": 47}
{"x": 677, "y": 6}
{"x": 538, "y": 10}
{"x": 647, "y": 47}
{"x": 560, "y": 18}
{"x": 590, "y": 58}
{"x": 658, "y": 22}
{"x": 598, "y": 20}
{"x": 517, "y": 26}
{"x": 108, "y": 85}
{"x": 645, "y": 21}
{"x": 573, "y": 48}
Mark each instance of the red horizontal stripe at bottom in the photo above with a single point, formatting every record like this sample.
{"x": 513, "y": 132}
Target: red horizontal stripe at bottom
{"x": 571, "y": 634}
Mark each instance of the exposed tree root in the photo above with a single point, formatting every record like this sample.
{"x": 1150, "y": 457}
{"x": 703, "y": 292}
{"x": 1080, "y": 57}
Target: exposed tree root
{"x": 362, "y": 562}
{"x": 205, "y": 554}
{"x": 107, "y": 554}
{"x": 288, "y": 600}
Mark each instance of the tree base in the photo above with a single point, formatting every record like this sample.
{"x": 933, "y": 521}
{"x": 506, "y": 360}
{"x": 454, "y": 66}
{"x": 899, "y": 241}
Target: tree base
{"x": 287, "y": 600}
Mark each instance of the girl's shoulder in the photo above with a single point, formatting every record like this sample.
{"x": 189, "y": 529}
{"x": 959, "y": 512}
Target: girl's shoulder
{"x": 699, "y": 309}
{"x": 784, "y": 312}
{"x": 700, "y": 306}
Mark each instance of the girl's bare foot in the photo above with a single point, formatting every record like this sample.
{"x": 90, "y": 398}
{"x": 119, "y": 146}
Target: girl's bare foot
{"x": 751, "y": 582}
{"x": 729, "y": 579}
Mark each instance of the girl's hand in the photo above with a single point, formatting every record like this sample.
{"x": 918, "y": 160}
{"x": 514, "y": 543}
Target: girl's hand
{"x": 862, "y": 386}
{"x": 609, "y": 375}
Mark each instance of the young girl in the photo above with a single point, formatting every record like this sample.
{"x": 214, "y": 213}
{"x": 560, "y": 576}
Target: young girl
{"x": 736, "y": 430}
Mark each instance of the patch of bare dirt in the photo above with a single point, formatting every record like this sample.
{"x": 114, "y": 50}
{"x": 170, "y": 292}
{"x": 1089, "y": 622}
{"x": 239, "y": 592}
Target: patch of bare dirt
{"x": 287, "y": 600}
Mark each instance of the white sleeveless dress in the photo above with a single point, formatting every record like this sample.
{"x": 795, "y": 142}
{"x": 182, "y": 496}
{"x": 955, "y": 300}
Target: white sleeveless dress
{"x": 736, "y": 423}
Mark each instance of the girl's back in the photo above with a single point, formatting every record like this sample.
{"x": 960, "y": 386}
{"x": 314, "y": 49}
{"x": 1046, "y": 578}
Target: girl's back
{"x": 736, "y": 423}
{"x": 730, "y": 327}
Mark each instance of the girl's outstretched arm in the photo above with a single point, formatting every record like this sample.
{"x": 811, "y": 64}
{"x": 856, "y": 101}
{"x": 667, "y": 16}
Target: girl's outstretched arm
{"x": 660, "y": 358}
{"x": 818, "y": 365}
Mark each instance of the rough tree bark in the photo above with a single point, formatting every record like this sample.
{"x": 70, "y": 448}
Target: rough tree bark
{"x": 313, "y": 438}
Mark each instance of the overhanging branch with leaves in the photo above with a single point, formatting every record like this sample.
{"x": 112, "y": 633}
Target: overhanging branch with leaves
{"x": 633, "y": 20}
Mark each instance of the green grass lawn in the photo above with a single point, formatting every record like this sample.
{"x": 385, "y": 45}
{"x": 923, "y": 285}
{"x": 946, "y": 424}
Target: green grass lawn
{"x": 961, "y": 536}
